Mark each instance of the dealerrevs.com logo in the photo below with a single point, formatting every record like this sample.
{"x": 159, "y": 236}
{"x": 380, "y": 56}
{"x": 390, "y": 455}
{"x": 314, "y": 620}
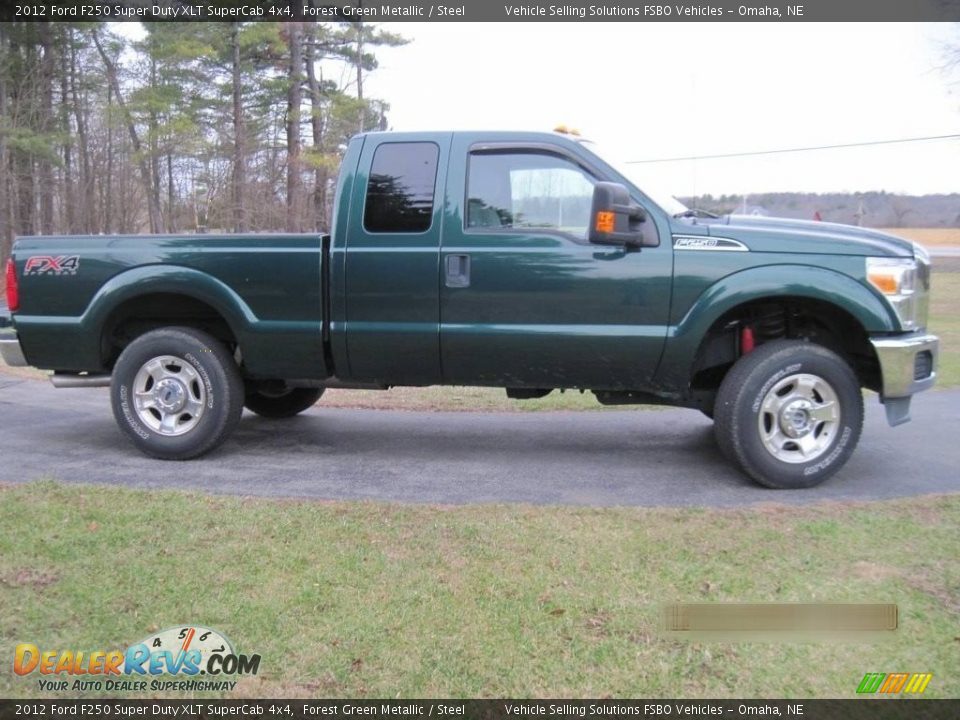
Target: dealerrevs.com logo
{"x": 188, "y": 658}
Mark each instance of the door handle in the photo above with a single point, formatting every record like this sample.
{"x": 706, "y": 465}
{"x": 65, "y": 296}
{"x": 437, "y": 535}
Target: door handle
{"x": 457, "y": 271}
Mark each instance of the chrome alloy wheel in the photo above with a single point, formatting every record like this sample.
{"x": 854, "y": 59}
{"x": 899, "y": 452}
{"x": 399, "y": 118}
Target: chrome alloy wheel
{"x": 169, "y": 395}
{"x": 798, "y": 418}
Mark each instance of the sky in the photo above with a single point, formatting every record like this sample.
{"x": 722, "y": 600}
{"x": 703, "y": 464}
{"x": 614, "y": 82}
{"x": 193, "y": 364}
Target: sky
{"x": 661, "y": 90}
{"x": 655, "y": 90}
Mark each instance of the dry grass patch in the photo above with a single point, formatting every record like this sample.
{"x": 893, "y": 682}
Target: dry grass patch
{"x": 929, "y": 237}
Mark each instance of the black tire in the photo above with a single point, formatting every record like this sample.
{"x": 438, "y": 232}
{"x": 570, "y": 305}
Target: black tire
{"x": 285, "y": 404}
{"x": 207, "y": 374}
{"x": 744, "y": 419}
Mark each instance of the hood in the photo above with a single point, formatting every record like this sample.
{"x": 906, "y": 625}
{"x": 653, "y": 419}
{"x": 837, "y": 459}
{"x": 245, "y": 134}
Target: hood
{"x": 766, "y": 234}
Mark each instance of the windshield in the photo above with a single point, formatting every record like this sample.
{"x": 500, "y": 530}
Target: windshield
{"x": 639, "y": 175}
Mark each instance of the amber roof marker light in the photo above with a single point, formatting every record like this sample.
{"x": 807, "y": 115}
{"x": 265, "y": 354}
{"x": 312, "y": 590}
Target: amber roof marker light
{"x": 564, "y": 130}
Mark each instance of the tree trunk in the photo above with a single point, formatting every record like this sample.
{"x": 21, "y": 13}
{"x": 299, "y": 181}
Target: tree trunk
{"x": 316, "y": 124}
{"x": 20, "y": 179}
{"x": 6, "y": 220}
{"x": 360, "y": 72}
{"x": 171, "y": 196}
{"x": 152, "y": 142}
{"x": 294, "y": 214}
{"x": 239, "y": 139}
{"x": 68, "y": 200}
{"x": 87, "y": 215}
{"x": 152, "y": 210}
{"x": 45, "y": 183}
{"x": 108, "y": 221}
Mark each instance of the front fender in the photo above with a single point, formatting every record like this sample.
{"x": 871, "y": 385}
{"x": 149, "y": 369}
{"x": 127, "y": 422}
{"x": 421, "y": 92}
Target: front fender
{"x": 759, "y": 283}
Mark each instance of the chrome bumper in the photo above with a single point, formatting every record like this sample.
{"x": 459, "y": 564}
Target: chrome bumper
{"x": 908, "y": 365}
{"x": 898, "y": 362}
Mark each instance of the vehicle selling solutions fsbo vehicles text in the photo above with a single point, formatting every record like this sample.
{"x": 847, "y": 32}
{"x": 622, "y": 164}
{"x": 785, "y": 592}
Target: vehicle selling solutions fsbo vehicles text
{"x": 655, "y": 11}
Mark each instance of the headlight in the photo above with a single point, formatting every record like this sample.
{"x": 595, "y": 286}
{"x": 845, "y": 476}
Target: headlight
{"x": 897, "y": 279}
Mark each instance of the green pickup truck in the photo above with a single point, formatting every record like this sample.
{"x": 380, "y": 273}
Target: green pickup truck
{"x": 525, "y": 261}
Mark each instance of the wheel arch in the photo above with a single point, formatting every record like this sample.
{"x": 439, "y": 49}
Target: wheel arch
{"x": 148, "y": 297}
{"x": 832, "y": 299}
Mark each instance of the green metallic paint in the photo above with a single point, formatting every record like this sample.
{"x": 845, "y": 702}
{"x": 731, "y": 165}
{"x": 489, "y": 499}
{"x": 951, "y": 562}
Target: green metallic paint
{"x": 701, "y": 275}
{"x": 70, "y": 310}
{"x": 390, "y": 286}
{"x": 782, "y": 235}
{"x": 544, "y": 309}
{"x": 342, "y": 222}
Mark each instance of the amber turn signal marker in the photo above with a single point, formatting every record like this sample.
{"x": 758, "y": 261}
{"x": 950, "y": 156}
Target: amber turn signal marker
{"x": 606, "y": 221}
{"x": 887, "y": 284}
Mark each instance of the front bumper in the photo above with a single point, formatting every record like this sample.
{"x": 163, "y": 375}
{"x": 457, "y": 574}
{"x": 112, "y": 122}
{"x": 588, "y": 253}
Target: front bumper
{"x": 908, "y": 365}
{"x": 10, "y": 349}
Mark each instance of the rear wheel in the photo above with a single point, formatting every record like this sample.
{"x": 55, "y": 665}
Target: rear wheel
{"x": 281, "y": 402}
{"x": 789, "y": 413}
{"x": 176, "y": 393}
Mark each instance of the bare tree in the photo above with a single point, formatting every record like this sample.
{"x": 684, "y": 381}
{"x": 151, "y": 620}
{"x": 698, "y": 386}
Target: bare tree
{"x": 152, "y": 205}
{"x": 294, "y": 98}
{"x": 239, "y": 179}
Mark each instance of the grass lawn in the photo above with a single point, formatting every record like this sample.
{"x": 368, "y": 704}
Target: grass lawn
{"x": 358, "y": 599}
{"x": 945, "y": 322}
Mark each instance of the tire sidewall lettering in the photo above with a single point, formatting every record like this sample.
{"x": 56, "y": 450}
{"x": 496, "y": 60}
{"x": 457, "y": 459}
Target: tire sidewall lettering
{"x": 128, "y": 415}
{"x": 834, "y": 453}
{"x": 190, "y": 358}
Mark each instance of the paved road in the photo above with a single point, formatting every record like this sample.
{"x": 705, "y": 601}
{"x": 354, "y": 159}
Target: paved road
{"x": 580, "y": 458}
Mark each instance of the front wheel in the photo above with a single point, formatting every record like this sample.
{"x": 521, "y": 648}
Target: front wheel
{"x": 176, "y": 393}
{"x": 283, "y": 403}
{"x": 789, "y": 413}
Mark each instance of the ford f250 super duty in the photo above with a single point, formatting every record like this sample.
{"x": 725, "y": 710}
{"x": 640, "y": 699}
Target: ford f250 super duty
{"x": 517, "y": 260}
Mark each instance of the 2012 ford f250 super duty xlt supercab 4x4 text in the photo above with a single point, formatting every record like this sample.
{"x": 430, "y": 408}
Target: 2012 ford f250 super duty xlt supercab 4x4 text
{"x": 516, "y": 260}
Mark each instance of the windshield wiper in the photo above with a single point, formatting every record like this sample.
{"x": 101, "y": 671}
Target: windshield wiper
{"x": 695, "y": 213}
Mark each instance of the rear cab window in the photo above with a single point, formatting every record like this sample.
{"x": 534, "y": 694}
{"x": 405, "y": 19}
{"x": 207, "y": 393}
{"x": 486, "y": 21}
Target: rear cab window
{"x": 401, "y": 188}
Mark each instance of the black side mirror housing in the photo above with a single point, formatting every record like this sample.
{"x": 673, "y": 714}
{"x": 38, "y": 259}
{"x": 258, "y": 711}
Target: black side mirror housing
{"x": 614, "y": 219}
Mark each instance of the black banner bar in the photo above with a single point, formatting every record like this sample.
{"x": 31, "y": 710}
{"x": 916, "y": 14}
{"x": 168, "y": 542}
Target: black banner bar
{"x": 852, "y": 709}
{"x": 484, "y": 10}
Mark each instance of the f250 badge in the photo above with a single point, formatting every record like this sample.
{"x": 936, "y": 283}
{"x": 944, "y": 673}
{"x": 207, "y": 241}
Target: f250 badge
{"x": 683, "y": 242}
{"x": 52, "y": 265}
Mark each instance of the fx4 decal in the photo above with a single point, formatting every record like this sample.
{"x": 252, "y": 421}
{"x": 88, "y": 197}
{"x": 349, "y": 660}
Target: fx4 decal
{"x": 51, "y": 265}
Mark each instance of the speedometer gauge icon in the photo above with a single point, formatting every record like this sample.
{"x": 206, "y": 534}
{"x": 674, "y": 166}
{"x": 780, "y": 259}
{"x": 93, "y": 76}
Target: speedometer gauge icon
{"x": 184, "y": 639}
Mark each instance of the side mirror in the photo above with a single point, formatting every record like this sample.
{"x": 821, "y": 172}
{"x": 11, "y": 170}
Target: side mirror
{"x": 614, "y": 219}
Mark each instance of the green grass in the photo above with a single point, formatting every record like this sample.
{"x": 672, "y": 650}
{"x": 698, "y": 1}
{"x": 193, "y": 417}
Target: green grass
{"x": 371, "y": 600}
{"x": 945, "y": 322}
